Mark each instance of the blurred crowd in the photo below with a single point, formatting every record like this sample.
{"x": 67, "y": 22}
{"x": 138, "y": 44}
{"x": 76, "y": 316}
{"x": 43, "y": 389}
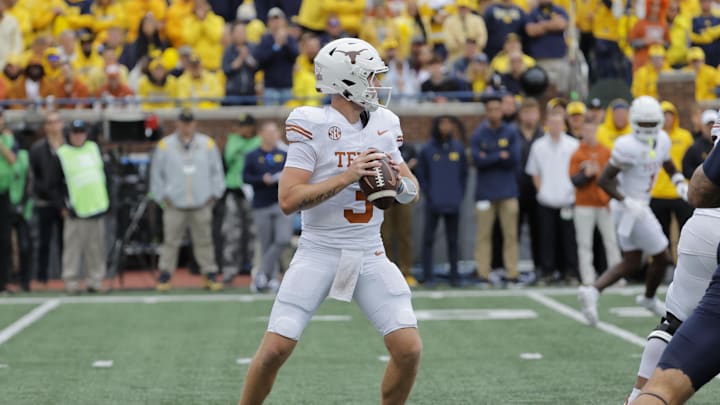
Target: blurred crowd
{"x": 531, "y": 169}
{"x": 204, "y": 53}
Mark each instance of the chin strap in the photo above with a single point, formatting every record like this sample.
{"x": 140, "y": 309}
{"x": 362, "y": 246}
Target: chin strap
{"x": 407, "y": 191}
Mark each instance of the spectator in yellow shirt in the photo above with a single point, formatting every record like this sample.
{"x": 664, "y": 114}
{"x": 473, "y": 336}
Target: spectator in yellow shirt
{"x": 349, "y": 12}
{"x": 174, "y": 21}
{"x": 196, "y": 84}
{"x": 52, "y": 63}
{"x": 23, "y": 18}
{"x": 157, "y": 83}
{"x": 87, "y": 58}
{"x": 304, "y": 90}
{"x": 679, "y": 28}
{"x": 203, "y": 30}
{"x": 105, "y": 14}
{"x": 615, "y": 124}
{"x": 136, "y": 10}
{"x": 706, "y": 78}
{"x": 460, "y": 27}
{"x": 379, "y": 26}
{"x": 501, "y": 63}
{"x": 646, "y": 77}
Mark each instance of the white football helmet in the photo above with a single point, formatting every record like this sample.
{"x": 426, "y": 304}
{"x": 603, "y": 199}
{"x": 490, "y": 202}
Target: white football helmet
{"x": 349, "y": 66}
{"x": 646, "y": 118}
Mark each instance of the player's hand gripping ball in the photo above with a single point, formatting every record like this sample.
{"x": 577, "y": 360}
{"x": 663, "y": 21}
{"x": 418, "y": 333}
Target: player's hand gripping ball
{"x": 381, "y": 188}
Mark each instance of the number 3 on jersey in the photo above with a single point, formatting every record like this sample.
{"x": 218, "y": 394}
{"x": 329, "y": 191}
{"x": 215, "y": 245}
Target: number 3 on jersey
{"x": 360, "y": 217}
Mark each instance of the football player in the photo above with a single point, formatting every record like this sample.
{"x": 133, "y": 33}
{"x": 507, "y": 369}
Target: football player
{"x": 340, "y": 253}
{"x": 692, "y": 358}
{"x": 628, "y": 178}
{"x": 697, "y": 257}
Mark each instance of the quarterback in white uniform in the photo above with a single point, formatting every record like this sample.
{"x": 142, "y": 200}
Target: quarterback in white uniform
{"x": 628, "y": 178}
{"x": 697, "y": 261}
{"x": 340, "y": 253}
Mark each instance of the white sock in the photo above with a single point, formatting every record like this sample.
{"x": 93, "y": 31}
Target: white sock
{"x": 654, "y": 349}
{"x": 634, "y": 394}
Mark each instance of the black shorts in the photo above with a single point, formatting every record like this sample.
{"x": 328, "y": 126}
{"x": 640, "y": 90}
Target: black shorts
{"x": 695, "y": 347}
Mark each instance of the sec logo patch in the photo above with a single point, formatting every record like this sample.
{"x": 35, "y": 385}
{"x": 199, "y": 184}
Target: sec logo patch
{"x": 334, "y": 133}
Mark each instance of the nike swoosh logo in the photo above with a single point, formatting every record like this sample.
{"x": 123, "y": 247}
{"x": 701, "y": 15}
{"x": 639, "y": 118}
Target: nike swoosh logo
{"x": 382, "y": 132}
{"x": 378, "y": 253}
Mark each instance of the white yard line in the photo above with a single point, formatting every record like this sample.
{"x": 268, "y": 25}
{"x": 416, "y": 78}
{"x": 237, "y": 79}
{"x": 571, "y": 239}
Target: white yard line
{"x": 158, "y": 298}
{"x": 28, "y": 319}
{"x": 578, "y": 316}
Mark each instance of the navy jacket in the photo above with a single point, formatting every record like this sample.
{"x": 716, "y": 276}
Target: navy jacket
{"x": 496, "y": 177}
{"x": 276, "y": 61}
{"x": 257, "y": 163}
{"x": 442, "y": 172}
{"x": 240, "y": 81}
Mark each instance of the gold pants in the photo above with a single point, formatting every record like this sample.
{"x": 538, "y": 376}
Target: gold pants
{"x": 507, "y": 210}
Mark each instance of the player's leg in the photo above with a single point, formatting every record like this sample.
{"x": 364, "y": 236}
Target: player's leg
{"x": 658, "y": 339}
{"x": 304, "y": 287}
{"x": 405, "y": 347}
{"x": 648, "y": 235}
{"x": 384, "y": 297}
{"x": 630, "y": 263}
{"x": 589, "y": 295}
{"x": 691, "y": 359}
{"x": 274, "y": 350}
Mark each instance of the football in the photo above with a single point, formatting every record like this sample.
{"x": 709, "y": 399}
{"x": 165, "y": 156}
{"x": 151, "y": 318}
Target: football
{"x": 381, "y": 188}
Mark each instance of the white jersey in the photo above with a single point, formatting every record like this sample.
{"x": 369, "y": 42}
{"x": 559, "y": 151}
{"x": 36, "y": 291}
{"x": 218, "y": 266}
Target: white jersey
{"x": 639, "y": 164}
{"x": 323, "y": 142}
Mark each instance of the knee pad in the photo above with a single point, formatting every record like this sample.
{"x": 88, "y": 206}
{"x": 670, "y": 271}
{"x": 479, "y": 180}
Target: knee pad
{"x": 666, "y": 329}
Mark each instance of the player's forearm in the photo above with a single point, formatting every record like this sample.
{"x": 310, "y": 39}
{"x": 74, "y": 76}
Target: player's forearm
{"x": 610, "y": 186}
{"x": 303, "y": 196}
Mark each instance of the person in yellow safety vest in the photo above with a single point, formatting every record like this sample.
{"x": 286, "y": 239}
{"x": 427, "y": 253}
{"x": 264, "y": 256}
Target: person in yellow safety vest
{"x": 86, "y": 203}
{"x": 645, "y": 79}
{"x": 707, "y": 79}
{"x": 665, "y": 200}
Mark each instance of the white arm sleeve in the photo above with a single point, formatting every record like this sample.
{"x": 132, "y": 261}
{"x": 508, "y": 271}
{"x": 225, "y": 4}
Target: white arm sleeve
{"x": 302, "y": 156}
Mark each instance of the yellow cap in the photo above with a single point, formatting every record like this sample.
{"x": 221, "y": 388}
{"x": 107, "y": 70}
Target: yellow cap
{"x": 155, "y": 63}
{"x": 695, "y": 53}
{"x": 170, "y": 58}
{"x": 668, "y": 107}
{"x": 466, "y": 3}
{"x": 389, "y": 43}
{"x": 576, "y": 107}
{"x": 657, "y": 50}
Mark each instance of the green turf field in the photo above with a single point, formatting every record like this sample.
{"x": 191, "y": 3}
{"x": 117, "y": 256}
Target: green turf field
{"x": 193, "y": 348}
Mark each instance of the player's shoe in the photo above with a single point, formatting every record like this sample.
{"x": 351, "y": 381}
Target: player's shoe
{"x": 163, "y": 282}
{"x": 273, "y": 286}
{"x": 210, "y": 282}
{"x": 411, "y": 282}
{"x": 653, "y": 305}
{"x": 588, "y": 297}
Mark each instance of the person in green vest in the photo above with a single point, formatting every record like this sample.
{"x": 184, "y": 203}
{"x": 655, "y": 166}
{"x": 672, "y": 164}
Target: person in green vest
{"x": 237, "y": 247}
{"x": 86, "y": 203}
{"x": 8, "y": 157}
{"x": 21, "y": 210}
